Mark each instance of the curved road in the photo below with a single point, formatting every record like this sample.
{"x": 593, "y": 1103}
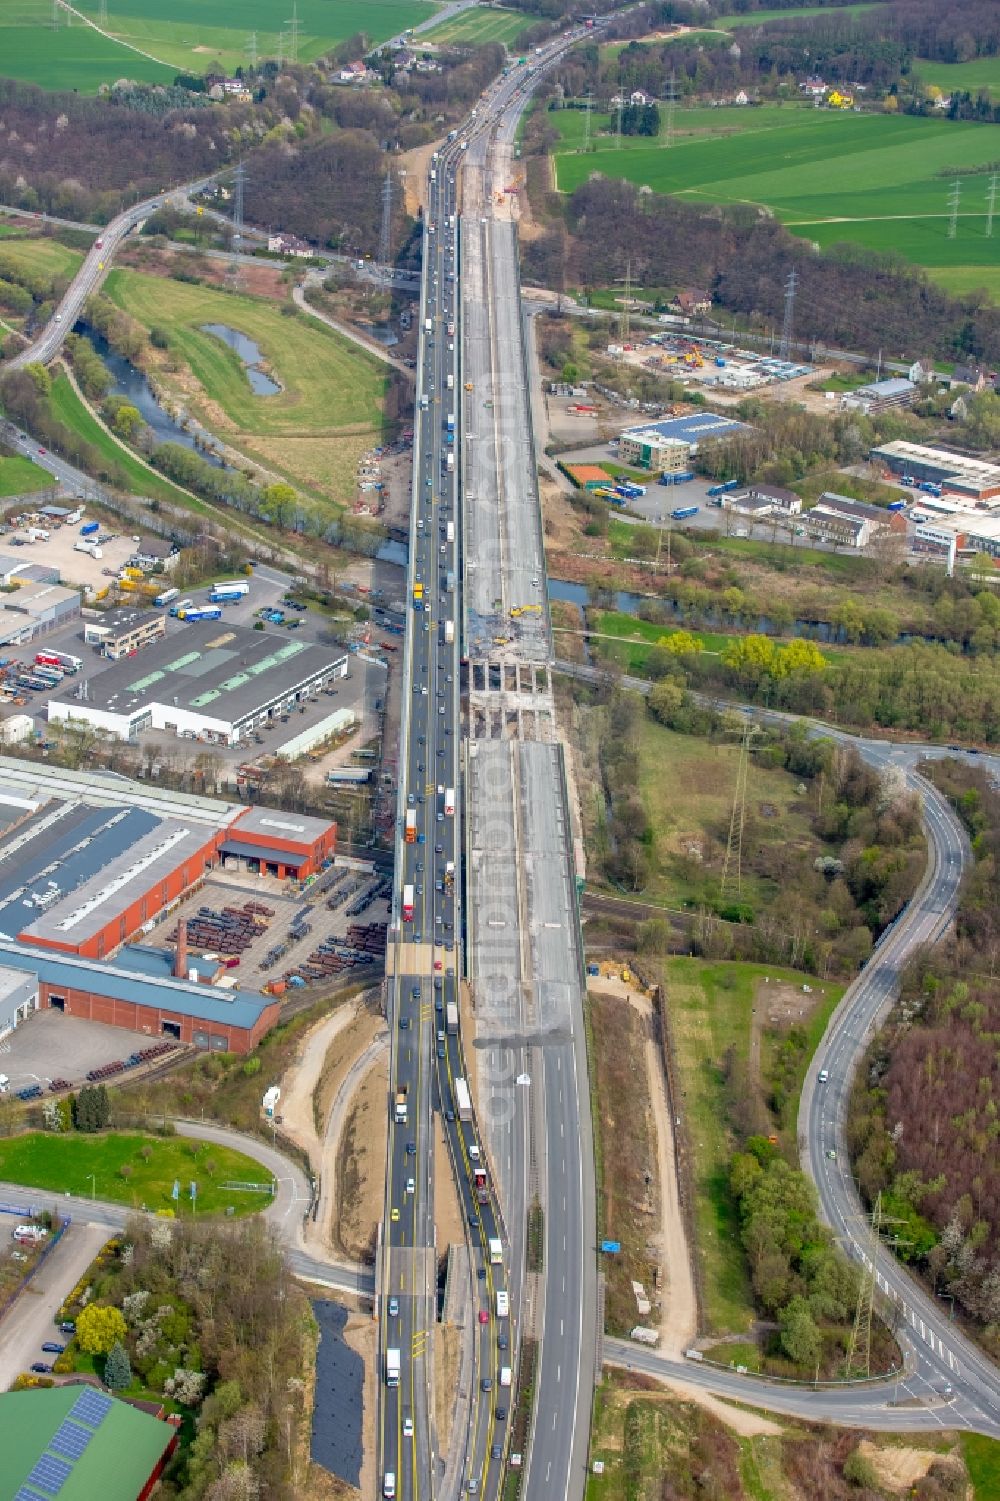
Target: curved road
{"x": 948, "y": 1382}
{"x": 89, "y": 278}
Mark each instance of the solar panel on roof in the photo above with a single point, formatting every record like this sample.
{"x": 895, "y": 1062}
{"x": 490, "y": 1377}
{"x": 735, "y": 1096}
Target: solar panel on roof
{"x": 91, "y": 1407}
{"x": 50, "y": 1475}
{"x": 71, "y": 1439}
{"x": 23, "y": 1494}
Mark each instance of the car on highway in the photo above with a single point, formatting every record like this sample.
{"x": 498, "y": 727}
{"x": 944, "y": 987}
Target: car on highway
{"x": 486, "y": 1385}
{"x": 404, "y": 1023}
{"x": 411, "y": 1186}
{"x": 484, "y": 1317}
{"x": 824, "y": 1075}
{"x": 503, "y": 1342}
{"x": 407, "y": 1427}
{"x": 501, "y": 1414}
{"x": 393, "y": 1308}
{"x": 411, "y": 1149}
{"x": 496, "y": 1452}
{"x": 51, "y": 1348}
{"x": 440, "y": 1049}
{"x": 41, "y": 1369}
{"x": 394, "y": 1216}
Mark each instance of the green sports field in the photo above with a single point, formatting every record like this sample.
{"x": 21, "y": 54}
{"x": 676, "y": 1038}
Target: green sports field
{"x": 180, "y": 35}
{"x": 471, "y": 28}
{"x": 982, "y": 74}
{"x": 877, "y": 180}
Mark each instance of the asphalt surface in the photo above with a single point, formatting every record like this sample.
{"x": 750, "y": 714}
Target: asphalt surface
{"x": 475, "y": 530}
{"x": 89, "y": 277}
{"x": 31, "y": 1321}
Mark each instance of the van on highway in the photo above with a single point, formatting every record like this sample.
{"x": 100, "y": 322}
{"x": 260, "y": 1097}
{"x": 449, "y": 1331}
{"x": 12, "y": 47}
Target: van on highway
{"x": 389, "y": 1485}
{"x": 503, "y": 1303}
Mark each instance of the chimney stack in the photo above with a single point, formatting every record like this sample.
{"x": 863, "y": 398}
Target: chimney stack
{"x": 181, "y": 951}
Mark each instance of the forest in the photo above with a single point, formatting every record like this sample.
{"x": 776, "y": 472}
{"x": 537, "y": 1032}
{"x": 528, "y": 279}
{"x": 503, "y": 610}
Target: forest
{"x": 848, "y": 297}
{"x": 923, "y": 1123}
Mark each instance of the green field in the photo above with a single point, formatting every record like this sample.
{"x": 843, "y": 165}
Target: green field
{"x": 982, "y": 1456}
{"x": 68, "y": 407}
{"x": 711, "y": 1009}
{"x": 981, "y": 75}
{"x": 74, "y": 57}
{"x": 20, "y": 477}
{"x": 190, "y": 35}
{"x": 64, "y": 1163}
{"x": 754, "y": 18}
{"x": 472, "y": 28}
{"x": 329, "y": 410}
{"x": 41, "y": 254}
{"x": 183, "y": 35}
{"x": 877, "y": 180}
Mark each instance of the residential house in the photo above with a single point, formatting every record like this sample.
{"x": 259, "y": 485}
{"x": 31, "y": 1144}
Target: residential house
{"x": 638, "y": 97}
{"x": 286, "y": 244}
{"x": 353, "y": 73}
{"x": 922, "y": 372}
{"x": 742, "y": 97}
{"x": 970, "y": 375}
{"x": 813, "y": 88}
{"x": 155, "y": 552}
{"x": 692, "y": 300}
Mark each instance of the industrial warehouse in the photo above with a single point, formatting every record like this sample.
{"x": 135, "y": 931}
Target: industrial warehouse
{"x": 219, "y": 683}
{"x": 90, "y": 863}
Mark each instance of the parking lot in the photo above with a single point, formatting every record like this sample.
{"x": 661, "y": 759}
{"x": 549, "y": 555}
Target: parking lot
{"x": 298, "y": 927}
{"x": 76, "y": 569}
{"x": 51, "y": 1046}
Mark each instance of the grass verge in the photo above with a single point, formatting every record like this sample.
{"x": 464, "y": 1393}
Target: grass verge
{"x": 714, "y": 1008}
{"x": 21, "y": 477}
{"x": 135, "y": 1169}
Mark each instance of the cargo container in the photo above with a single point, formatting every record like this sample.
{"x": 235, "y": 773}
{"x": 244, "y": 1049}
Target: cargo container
{"x": 90, "y": 529}
{"x": 233, "y": 586}
{"x": 897, "y": 505}
{"x": 91, "y": 548}
{"x": 451, "y": 1019}
{"x": 411, "y": 826}
{"x": 408, "y": 903}
{"x": 683, "y": 512}
{"x": 167, "y": 597}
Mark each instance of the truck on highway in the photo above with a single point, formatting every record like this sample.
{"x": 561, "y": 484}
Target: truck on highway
{"x": 451, "y": 422}
{"x": 167, "y": 597}
{"x": 401, "y": 1115}
{"x": 408, "y": 903}
{"x": 451, "y": 1019}
{"x": 463, "y": 1100}
{"x": 449, "y": 531}
{"x": 239, "y": 587}
{"x": 449, "y": 381}
{"x": 450, "y": 463}
{"x": 449, "y": 802}
{"x": 392, "y": 1366}
{"x": 449, "y": 874}
{"x": 449, "y": 582}
{"x": 496, "y": 1251}
{"x": 418, "y": 595}
{"x": 479, "y": 1185}
{"x": 411, "y": 826}
{"x": 449, "y": 633}
{"x": 427, "y": 325}
{"x": 503, "y": 1303}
